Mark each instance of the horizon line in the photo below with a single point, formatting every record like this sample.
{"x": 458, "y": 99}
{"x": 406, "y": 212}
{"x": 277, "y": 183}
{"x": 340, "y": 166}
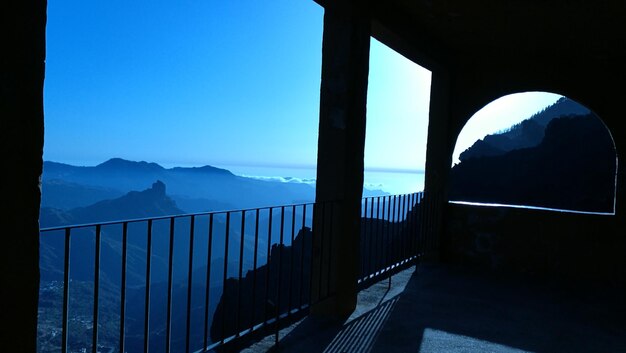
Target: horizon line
{"x": 243, "y": 164}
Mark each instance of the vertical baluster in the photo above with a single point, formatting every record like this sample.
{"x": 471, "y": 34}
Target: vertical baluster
{"x": 66, "y": 292}
{"x": 224, "y": 303}
{"x": 192, "y": 224}
{"x": 146, "y": 322}
{"x": 314, "y": 210}
{"x": 123, "y": 287}
{"x": 400, "y": 225}
{"x": 96, "y": 290}
{"x": 378, "y": 244}
{"x": 302, "y": 256}
{"x": 207, "y": 293}
{"x": 420, "y": 230}
{"x": 381, "y": 237}
{"x": 280, "y": 258}
{"x": 267, "y": 272}
{"x": 410, "y": 217}
{"x": 389, "y": 252}
{"x": 254, "y": 266}
{"x": 389, "y": 240}
{"x": 292, "y": 254}
{"x": 410, "y": 225}
{"x": 168, "y": 320}
{"x": 403, "y": 228}
{"x": 414, "y": 222}
{"x": 363, "y": 264}
{"x": 399, "y": 232}
{"x": 370, "y": 243}
{"x": 396, "y": 223}
{"x": 240, "y": 274}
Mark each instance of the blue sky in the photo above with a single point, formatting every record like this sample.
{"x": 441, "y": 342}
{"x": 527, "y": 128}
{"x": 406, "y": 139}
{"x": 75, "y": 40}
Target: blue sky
{"x": 215, "y": 82}
{"x": 193, "y": 82}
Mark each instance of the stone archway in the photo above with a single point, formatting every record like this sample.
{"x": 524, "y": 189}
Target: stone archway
{"x": 561, "y": 157}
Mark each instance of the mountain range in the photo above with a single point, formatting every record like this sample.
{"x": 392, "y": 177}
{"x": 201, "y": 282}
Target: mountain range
{"x": 193, "y": 189}
{"x": 527, "y": 133}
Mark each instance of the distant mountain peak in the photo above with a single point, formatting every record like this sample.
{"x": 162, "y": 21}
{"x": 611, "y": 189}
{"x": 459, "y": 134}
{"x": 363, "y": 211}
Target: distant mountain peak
{"x": 119, "y": 163}
{"x": 158, "y": 187}
{"x": 204, "y": 169}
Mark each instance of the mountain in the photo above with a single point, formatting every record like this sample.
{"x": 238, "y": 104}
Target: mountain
{"x": 116, "y": 165}
{"x": 151, "y": 202}
{"x": 528, "y": 133}
{"x": 573, "y": 167}
{"x": 195, "y": 189}
{"x": 200, "y": 189}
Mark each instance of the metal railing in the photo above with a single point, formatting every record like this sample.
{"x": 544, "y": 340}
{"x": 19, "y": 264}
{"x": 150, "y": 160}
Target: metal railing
{"x": 390, "y": 235}
{"x": 190, "y": 283}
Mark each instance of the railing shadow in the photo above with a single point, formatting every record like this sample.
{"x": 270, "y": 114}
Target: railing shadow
{"x": 316, "y": 334}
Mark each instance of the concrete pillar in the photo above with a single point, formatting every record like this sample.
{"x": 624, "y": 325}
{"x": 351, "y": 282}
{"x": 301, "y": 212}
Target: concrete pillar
{"x": 438, "y": 162}
{"x": 341, "y": 144}
{"x": 21, "y": 135}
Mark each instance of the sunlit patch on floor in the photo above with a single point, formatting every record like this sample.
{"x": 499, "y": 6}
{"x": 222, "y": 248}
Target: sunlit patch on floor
{"x": 441, "y": 341}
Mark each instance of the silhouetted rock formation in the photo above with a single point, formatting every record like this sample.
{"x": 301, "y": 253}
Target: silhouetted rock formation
{"x": 383, "y": 244}
{"x": 260, "y": 289}
{"x": 572, "y": 168}
{"x": 528, "y": 133}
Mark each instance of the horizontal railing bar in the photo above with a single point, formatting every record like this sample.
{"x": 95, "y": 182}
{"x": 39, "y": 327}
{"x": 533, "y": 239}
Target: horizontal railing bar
{"x": 182, "y": 215}
{"x": 381, "y": 271}
{"x": 159, "y": 218}
{"x": 255, "y": 328}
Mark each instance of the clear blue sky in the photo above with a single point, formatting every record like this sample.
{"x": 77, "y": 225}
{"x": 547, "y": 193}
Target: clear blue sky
{"x": 212, "y": 82}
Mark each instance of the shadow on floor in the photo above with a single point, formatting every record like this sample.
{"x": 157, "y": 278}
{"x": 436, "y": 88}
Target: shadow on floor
{"x": 448, "y": 309}
{"x": 319, "y": 335}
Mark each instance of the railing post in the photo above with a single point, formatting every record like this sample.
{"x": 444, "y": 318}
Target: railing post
{"x": 345, "y": 65}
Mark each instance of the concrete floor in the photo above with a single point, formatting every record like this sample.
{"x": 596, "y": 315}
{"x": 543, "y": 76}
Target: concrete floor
{"x": 448, "y": 309}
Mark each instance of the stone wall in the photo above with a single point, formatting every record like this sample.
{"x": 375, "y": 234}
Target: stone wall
{"x": 22, "y": 27}
{"x": 538, "y": 242}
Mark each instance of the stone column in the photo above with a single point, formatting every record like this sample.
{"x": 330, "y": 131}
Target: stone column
{"x": 438, "y": 162}
{"x": 341, "y": 144}
{"x": 21, "y": 135}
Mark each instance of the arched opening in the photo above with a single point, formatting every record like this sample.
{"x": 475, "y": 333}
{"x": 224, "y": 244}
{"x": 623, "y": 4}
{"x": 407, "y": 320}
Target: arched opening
{"x": 536, "y": 149}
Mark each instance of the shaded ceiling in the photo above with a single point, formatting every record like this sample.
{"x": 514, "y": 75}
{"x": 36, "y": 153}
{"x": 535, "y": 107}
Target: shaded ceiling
{"x": 459, "y": 33}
